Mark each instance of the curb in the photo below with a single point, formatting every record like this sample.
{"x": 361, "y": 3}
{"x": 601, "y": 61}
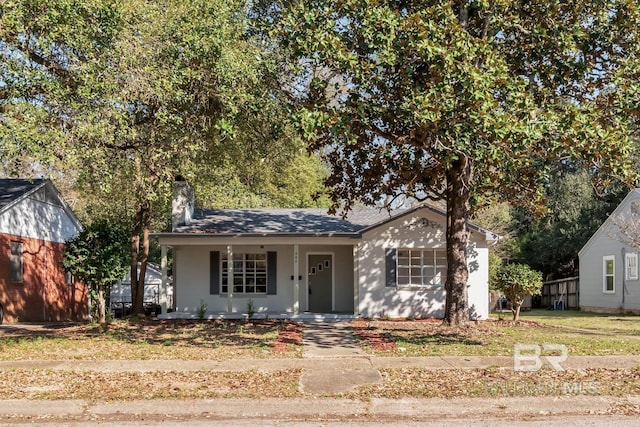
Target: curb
{"x": 414, "y": 409}
{"x": 317, "y": 362}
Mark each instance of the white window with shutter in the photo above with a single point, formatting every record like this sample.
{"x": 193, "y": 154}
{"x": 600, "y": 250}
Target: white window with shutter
{"x": 421, "y": 267}
{"x": 249, "y": 274}
{"x": 631, "y": 265}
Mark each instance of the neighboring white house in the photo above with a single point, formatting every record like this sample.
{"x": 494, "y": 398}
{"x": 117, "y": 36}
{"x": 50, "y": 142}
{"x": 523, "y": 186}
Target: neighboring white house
{"x": 121, "y": 292}
{"x": 609, "y": 278}
{"x": 293, "y": 261}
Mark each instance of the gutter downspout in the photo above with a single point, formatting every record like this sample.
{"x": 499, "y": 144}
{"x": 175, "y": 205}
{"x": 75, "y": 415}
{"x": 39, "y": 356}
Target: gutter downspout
{"x": 624, "y": 276}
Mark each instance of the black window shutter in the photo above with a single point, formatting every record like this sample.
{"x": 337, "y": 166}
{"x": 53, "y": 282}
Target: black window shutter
{"x": 272, "y": 273}
{"x": 390, "y": 255}
{"x": 214, "y": 279}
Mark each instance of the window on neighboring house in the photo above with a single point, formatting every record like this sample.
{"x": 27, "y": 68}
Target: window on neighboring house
{"x": 16, "y": 262}
{"x": 422, "y": 267}
{"x": 249, "y": 274}
{"x": 631, "y": 265}
{"x": 608, "y": 264}
{"x": 69, "y": 278}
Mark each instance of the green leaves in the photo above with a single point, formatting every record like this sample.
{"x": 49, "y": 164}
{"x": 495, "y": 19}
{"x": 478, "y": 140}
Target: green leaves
{"x": 510, "y": 86}
{"x": 98, "y": 256}
{"x": 516, "y": 281}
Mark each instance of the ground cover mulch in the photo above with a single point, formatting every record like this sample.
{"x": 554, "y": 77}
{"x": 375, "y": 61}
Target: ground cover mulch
{"x": 382, "y": 334}
{"x": 509, "y": 322}
{"x": 289, "y": 335}
{"x": 370, "y": 336}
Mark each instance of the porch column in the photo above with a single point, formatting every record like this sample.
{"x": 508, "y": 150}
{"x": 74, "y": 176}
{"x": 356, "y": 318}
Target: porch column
{"x": 230, "y": 278}
{"x": 356, "y": 282}
{"x": 296, "y": 279}
{"x": 165, "y": 279}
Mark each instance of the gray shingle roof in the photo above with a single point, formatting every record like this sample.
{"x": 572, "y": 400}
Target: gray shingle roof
{"x": 13, "y": 189}
{"x": 267, "y": 221}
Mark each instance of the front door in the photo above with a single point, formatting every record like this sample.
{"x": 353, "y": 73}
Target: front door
{"x": 320, "y": 273}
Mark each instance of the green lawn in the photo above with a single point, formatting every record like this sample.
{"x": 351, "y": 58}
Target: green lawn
{"x": 602, "y": 323}
{"x": 583, "y": 334}
{"x": 150, "y": 340}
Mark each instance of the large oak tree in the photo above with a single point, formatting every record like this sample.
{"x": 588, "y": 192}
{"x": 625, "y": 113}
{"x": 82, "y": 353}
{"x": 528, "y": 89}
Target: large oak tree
{"x": 122, "y": 96}
{"x": 462, "y": 101}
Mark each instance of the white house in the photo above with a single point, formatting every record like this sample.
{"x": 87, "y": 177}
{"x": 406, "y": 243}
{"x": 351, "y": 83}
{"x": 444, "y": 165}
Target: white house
{"x": 296, "y": 261}
{"x": 609, "y": 278}
{"x": 120, "y": 293}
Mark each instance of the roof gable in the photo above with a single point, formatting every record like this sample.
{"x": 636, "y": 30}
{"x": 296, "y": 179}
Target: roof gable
{"x": 14, "y": 190}
{"x": 622, "y": 207}
{"x": 35, "y": 208}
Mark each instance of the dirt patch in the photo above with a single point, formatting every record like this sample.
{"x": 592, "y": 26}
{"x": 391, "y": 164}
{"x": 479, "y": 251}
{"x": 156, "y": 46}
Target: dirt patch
{"x": 509, "y": 322}
{"x": 289, "y": 335}
{"x": 371, "y": 337}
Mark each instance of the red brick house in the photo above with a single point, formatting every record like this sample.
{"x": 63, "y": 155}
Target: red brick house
{"x": 34, "y": 224}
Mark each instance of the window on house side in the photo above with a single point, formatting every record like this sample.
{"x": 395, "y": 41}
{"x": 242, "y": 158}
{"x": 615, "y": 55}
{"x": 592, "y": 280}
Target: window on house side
{"x": 422, "y": 267}
{"x": 68, "y": 277}
{"x": 631, "y": 263}
{"x": 249, "y": 274}
{"x": 16, "y": 262}
{"x": 608, "y": 264}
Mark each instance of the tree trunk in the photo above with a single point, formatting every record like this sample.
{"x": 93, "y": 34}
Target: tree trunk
{"x": 135, "y": 249}
{"x": 102, "y": 306}
{"x": 458, "y": 194}
{"x": 516, "y": 311}
{"x": 144, "y": 257}
{"x": 139, "y": 253}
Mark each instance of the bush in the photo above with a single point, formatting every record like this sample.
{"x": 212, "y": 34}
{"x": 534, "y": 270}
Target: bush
{"x": 516, "y": 281}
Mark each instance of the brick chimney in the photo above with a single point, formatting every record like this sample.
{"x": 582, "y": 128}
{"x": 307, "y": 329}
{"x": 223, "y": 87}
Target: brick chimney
{"x": 182, "y": 204}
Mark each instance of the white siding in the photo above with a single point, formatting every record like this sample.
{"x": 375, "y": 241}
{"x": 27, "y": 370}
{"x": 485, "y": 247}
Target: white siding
{"x": 424, "y": 229}
{"x": 191, "y": 266}
{"x": 37, "y": 218}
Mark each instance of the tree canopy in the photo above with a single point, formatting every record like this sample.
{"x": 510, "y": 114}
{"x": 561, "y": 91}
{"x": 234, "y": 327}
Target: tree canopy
{"x": 466, "y": 101}
{"x": 123, "y": 96}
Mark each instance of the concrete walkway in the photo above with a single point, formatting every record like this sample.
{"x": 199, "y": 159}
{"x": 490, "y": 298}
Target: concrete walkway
{"x": 432, "y": 363}
{"x": 342, "y": 363}
{"x": 330, "y": 340}
{"x": 327, "y": 347}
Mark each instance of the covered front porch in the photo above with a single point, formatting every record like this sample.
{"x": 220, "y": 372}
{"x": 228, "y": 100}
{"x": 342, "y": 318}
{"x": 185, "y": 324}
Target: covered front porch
{"x": 310, "y": 280}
